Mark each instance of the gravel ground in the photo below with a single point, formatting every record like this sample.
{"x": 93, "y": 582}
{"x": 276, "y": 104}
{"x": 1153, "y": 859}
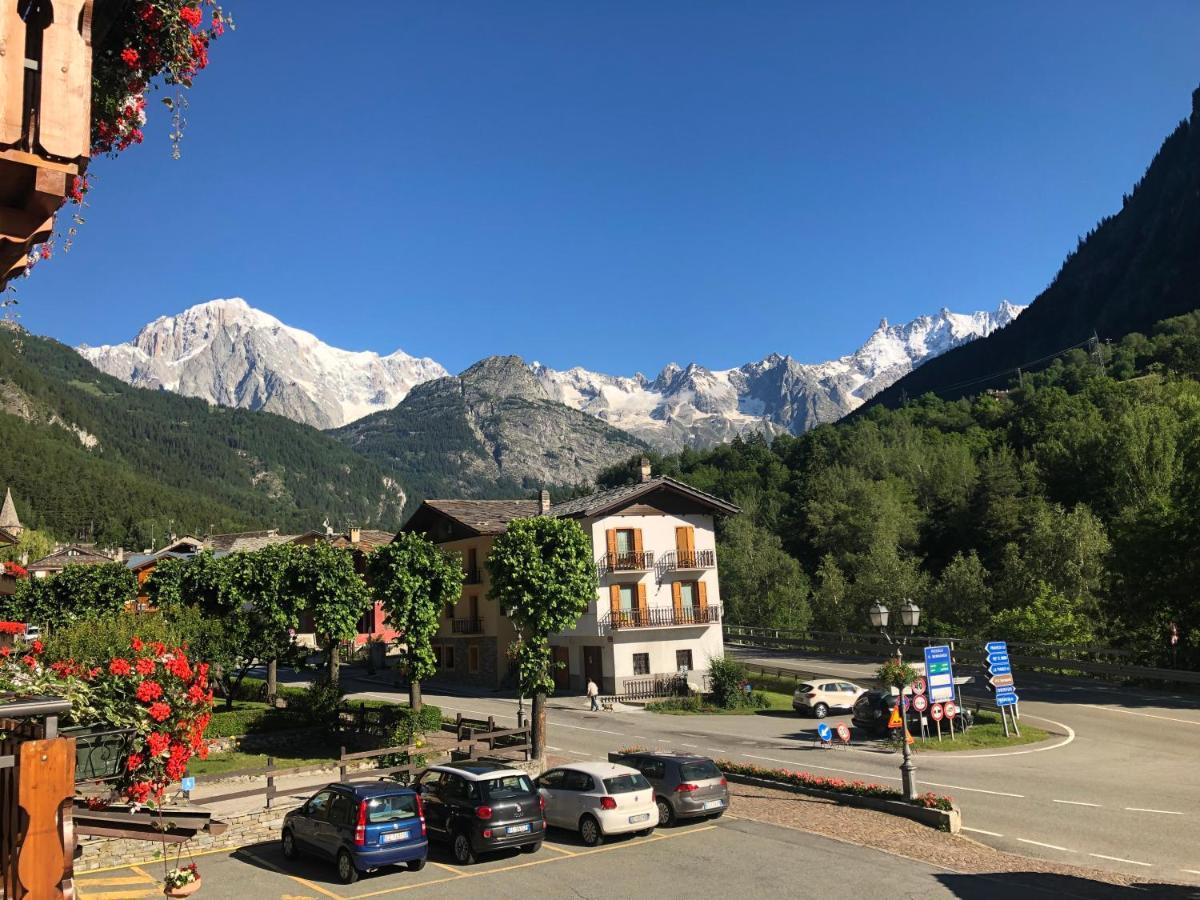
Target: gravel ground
{"x": 900, "y": 837}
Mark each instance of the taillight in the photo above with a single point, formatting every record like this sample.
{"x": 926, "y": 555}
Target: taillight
{"x": 810, "y": 696}
{"x": 421, "y": 813}
{"x": 483, "y": 812}
{"x": 360, "y": 828}
{"x": 608, "y": 803}
{"x": 686, "y": 788}
{"x": 724, "y": 783}
{"x": 541, "y": 803}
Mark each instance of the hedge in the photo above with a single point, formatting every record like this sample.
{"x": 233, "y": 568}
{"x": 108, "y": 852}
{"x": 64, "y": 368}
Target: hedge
{"x": 834, "y": 785}
{"x": 251, "y": 718}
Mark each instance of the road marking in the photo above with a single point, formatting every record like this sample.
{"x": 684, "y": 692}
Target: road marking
{"x": 693, "y": 746}
{"x": 576, "y": 753}
{"x": 1076, "y": 803}
{"x": 1191, "y": 871}
{"x": 583, "y": 728}
{"x": 1132, "y": 862}
{"x": 146, "y": 875}
{"x": 981, "y": 831}
{"x": 959, "y": 787}
{"x": 1050, "y": 846}
{"x": 640, "y": 737}
{"x": 450, "y": 869}
{"x": 716, "y": 750}
{"x": 549, "y": 846}
{"x": 153, "y": 891}
{"x": 1164, "y": 812}
{"x": 274, "y": 868}
{"x": 86, "y": 882}
{"x": 1130, "y": 712}
{"x": 1069, "y": 738}
{"x": 555, "y": 749}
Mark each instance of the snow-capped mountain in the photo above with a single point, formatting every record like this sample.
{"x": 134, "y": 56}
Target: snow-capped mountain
{"x": 228, "y": 353}
{"x": 695, "y": 406}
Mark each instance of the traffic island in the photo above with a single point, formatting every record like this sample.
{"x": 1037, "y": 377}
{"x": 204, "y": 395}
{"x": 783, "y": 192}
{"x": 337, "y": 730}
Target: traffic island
{"x": 986, "y": 734}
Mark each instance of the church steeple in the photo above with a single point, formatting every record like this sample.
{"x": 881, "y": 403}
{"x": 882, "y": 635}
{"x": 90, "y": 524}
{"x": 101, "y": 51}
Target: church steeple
{"x": 8, "y": 515}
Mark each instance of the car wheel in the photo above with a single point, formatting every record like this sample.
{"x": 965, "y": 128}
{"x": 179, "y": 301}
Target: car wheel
{"x": 416, "y": 865}
{"x": 820, "y": 711}
{"x": 289, "y": 845}
{"x": 666, "y": 815}
{"x": 531, "y": 848}
{"x": 589, "y": 831}
{"x": 464, "y": 853}
{"x": 347, "y": 872}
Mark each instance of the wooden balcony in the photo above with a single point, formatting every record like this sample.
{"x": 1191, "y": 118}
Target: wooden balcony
{"x": 661, "y": 617}
{"x": 613, "y": 563}
{"x": 473, "y": 576}
{"x": 466, "y": 626}
{"x": 689, "y": 560}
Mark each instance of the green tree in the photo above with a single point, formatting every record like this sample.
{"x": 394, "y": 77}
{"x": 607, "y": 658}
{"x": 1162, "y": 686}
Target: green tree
{"x": 260, "y": 580}
{"x": 332, "y": 591}
{"x": 31, "y": 544}
{"x": 961, "y": 601}
{"x": 1050, "y": 618}
{"x": 77, "y": 592}
{"x": 415, "y": 580}
{"x": 830, "y": 599}
{"x": 761, "y": 586}
{"x": 543, "y": 573}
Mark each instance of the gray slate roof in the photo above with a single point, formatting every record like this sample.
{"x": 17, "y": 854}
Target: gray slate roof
{"x": 600, "y": 501}
{"x": 71, "y": 555}
{"x": 485, "y": 516}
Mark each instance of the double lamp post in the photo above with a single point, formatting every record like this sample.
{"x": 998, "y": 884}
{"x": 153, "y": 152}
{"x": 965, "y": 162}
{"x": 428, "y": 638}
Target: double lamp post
{"x": 910, "y": 617}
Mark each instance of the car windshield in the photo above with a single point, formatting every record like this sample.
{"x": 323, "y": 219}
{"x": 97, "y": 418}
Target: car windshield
{"x": 505, "y": 788}
{"x": 699, "y": 771}
{"x": 625, "y": 784}
{"x": 392, "y": 808}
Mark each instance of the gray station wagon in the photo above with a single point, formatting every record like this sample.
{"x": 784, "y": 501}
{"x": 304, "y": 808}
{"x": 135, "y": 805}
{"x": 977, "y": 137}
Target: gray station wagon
{"x": 686, "y": 786}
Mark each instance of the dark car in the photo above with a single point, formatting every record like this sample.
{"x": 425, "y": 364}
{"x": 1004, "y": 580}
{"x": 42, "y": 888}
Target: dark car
{"x": 481, "y": 808}
{"x": 361, "y": 827}
{"x": 873, "y": 709}
{"x": 686, "y": 786}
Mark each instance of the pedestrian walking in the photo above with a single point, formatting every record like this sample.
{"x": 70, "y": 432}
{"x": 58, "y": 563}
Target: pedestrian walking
{"x": 593, "y": 693}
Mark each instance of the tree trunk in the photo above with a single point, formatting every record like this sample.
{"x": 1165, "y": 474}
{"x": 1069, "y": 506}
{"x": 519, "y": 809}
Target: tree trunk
{"x": 272, "y": 685}
{"x": 414, "y": 695}
{"x": 334, "y": 662}
{"x": 538, "y": 738}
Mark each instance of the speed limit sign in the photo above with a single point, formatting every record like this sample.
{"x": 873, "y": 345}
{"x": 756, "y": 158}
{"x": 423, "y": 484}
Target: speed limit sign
{"x": 951, "y": 710}
{"x": 918, "y": 686}
{"x": 920, "y": 704}
{"x": 936, "y": 712}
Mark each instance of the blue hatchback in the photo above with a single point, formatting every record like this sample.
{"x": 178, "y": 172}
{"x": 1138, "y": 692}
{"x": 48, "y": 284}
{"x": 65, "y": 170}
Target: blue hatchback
{"x": 361, "y": 827}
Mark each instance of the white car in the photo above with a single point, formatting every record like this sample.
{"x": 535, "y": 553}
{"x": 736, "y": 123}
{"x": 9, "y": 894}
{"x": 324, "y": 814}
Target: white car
{"x": 817, "y": 698}
{"x": 598, "y": 799}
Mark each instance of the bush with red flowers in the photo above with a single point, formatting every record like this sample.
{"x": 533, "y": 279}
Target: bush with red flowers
{"x": 834, "y": 785}
{"x": 153, "y": 689}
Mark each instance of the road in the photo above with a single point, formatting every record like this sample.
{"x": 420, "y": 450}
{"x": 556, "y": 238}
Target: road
{"x": 723, "y": 859}
{"x": 1115, "y": 788}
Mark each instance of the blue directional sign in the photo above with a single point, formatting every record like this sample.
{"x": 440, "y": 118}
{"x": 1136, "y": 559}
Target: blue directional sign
{"x": 996, "y": 647}
{"x": 1006, "y": 699}
{"x": 999, "y": 658}
{"x": 1000, "y": 668}
{"x": 187, "y": 784}
{"x": 824, "y": 733}
{"x": 1005, "y": 689}
{"x": 939, "y": 674}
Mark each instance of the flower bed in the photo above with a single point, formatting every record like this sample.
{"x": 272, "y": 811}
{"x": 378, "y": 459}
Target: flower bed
{"x": 835, "y": 785}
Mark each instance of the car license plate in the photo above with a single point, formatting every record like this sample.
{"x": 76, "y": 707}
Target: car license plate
{"x": 642, "y": 818}
{"x": 713, "y": 804}
{"x": 393, "y": 836}
{"x": 517, "y": 829}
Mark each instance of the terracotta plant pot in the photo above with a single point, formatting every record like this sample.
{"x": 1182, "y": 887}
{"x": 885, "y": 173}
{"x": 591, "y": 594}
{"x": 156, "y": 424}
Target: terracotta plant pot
{"x": 185, "y": 890}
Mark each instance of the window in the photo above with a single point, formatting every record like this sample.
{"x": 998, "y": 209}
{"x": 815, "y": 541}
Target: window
{"x": 448, "y": 656}
{"x": 652, "y": 768}
{"x": 341, "y": 810}
{"x": 641, "y": 664}
{"x": 392, "y": 808}
{"x": 455, "y": 789}
{"x": 472, "y": 658}
{"x": 449, "y": 610}
{"x": 626, "y": 784}
{"x": 437, "y": 655}
{"x": 683, "y": 660}
{"x": 552, "y": 779}
{"x": 699, "y": 771}
{"x": 318, "y": 806}
{"x": 577, "y": 781}
{"x": 626, "y": 597}
{"x": 507, "y": 788}
{"x": 624, "y": 541}
{"x": 687, "y": 594}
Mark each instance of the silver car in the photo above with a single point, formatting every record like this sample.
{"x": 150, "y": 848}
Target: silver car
{"x": 686, "y": 786}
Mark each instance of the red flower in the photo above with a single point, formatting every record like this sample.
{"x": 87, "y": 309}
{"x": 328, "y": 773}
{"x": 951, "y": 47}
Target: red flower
{"x": 45, "y": 251}
{"x": 149, "y": 690}
{"x": 134, "y": 761}
{"x": 4, "y": 651}
{"x": 178, "y": 666}
{"x": 191, "y": 15}
{"x": 137, "y": 644}
{"x": 195, "y": 694}
{"x": 158, "y": 742}
{"x": 38, "y": 646}
{"x": 130, "y": 57}
{"x": 158, "y": 648}
{"x": 138, "y": 791}
{"x": 145, "y": 666}
{"x": 159, "y": 711}
{"x": 119, "y": 667}
{"x": 29, "y": 661}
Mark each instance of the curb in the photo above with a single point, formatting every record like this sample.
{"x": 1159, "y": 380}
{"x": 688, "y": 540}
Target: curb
{"x": 935, "y": 818}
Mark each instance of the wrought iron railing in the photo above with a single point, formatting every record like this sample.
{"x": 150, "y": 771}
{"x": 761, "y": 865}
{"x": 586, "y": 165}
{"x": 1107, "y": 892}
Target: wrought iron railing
{"x": 689, "y": 559}
{"x": 626, "y": 562}
{"x": 650, "y": 686}
{"x": 661, "y": 617}
{"x": 466, "y": 626}
{"x": 473, "y": 576}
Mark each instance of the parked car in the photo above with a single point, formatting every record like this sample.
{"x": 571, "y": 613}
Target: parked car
{"x": 874, "y": 708}
{"x": 818, "y": 698}
{"x": 598, "y": 799}
{"x": 686, "y": 786}
{"x": 361, "y": 827}
{"x": 480, "y": 808}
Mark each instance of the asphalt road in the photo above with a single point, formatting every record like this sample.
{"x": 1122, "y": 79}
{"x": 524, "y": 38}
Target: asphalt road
{"x": 1115, "y": 788}
{"x": 729, "y": 858}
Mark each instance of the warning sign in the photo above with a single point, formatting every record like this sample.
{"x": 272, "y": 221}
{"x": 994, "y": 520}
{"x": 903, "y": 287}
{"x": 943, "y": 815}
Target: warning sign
{"x": 895, "y": 721}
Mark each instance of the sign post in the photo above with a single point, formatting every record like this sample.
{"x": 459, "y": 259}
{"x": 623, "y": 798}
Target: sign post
{"x": 999, "y": 667}
{"x": 951, "y": 711}
{"x": 939, "y": 674}
{"x": 935, "y": 712}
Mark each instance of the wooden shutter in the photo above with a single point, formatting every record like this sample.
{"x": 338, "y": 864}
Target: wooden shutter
{"x": 685, "y": 545}
{"x": 702, "y": 595}
{"x": 677, "y": 597}
{"x": 637, "y": 540}
{"x": 614, "y": 598}
{"x": 611, "y": 536}
{"x": 643, "y": 610}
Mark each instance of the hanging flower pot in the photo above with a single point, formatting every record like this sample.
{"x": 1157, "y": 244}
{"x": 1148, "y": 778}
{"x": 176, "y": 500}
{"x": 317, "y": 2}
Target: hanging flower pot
{"x": 182, "y": 882}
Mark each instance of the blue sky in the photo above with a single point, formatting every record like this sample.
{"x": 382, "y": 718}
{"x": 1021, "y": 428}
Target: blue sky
{"x": 624, "y": 183}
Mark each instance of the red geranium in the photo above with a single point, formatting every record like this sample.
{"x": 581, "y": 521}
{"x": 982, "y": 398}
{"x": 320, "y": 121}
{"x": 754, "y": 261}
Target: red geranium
{"x": 158, "y": 742}
{"x": 119, "y": 667}
{"x": 129, "y": 56}
{"x": 192, "y": 16}
{"x": 159, "y": 711}
{"x": 136, "y": 644}
{"x": 145, "y": 666}
{"x": 149, "y": 691}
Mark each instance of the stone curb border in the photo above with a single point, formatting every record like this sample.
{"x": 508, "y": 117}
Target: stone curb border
{"x": 935, "y": 818}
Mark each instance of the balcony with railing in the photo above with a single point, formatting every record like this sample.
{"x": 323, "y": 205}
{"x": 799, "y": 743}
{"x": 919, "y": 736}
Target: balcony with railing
{"x": 615, "y": 563}
{"x": 689, "y": 560}
{"x": 466, "y": 626}
{"x": 473, "y": 576}
{"x": 660, "y": 617}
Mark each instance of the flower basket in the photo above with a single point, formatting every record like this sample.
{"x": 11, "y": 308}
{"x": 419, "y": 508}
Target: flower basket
{"x": 182, "y": 881}
{"x": 100, "y": 750}
{"x": 184, "y": 890}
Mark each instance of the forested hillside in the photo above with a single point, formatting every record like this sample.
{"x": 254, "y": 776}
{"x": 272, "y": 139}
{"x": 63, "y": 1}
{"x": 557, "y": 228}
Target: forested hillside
{"x": 1135, "y": 268}
{"x": 89, "y": 457}
{"x": 1066, "y": 509}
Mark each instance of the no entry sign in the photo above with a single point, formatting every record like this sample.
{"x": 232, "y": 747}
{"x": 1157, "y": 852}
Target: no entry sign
{"x": 936, "y": 712}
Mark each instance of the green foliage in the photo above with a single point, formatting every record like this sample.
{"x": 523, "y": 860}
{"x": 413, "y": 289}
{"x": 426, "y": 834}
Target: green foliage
{"x": 414, "y": 581}
{"x": 320, "y": 702}
{"x": 77, "y": 592}
{"x": 896, "y": 674}
{"x": 542, "y": 572}
{"x": 761, "y": 585}
{"x": 94, "y": 641}
{"x": 252, "y": 718}
{"x": 31, "y": 544}
{"x": 728, "y": 677}
{"x": 1050, "y": 618}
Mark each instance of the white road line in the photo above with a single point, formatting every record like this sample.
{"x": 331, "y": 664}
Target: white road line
{"x": 555, "y": 749}
{"x": 1130, "y": 712}
{"x": 576, "y": 753}
{"x": 715, "y": 750}
{"x": 1165, "y": 812}
{"x": 640, "y": 737}
{"x": 1132, "y": 862}
{"x": 981, "y": 831}
{"x": 958, "y": 757}
{"x": 693, "y": 746}
{"x": 1050, "y": 846}
{"x": 959, "y": 787}
{"x": 1076, "y": 803}
{"x": 1191, "y": 871}
{"x": 582, "y": 728}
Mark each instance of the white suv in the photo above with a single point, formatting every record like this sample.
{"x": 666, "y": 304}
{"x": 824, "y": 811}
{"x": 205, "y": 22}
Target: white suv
{"x": 819, "y": 697}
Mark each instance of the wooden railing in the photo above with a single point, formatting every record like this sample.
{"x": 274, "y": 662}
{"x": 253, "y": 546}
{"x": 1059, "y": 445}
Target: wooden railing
{"x": 687, "y": 560}
{"x": 466, "y": 626}
{"x": 625, "y": 562}
{"x": 661, "y": 617}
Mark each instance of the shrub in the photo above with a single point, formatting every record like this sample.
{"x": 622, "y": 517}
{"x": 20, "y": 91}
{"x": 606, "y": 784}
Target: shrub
{"x": 252, "y": 718}
{"x": 409, "y": 729}
{"x": 694, "y": 703}
{"x": 319, "y": 703}
{"x": 93, "y": 641}
{"x": 729, "y": 678}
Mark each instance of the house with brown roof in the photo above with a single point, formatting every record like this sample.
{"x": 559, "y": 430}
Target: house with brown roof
{"x": 657, "y": 612}
{"x": 70, "y": 555}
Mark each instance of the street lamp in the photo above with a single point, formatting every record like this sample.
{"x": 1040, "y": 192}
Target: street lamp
{"x": 910, "y": 617}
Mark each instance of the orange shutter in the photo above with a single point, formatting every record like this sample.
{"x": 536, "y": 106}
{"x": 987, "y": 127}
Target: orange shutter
{"x": 702, "y": 594}
{"x": 677, "y": 597}
{"x": 643, "y": 611}
{"x": 637, "y": 540}
{"x": 614, "y": 598}
{"x": 685, "y": 545}
{"x": 611, "y": 535}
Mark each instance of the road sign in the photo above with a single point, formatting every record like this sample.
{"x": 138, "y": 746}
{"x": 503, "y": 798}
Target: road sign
{"x": 939, "y": 674}
{"x": 999, "y": 668}
{"x": 996, "y": 647}
{"x": 1006, "y": 699}
{"x": 1000, "y": 681}
{"x": 936, "y": 712}
{"x": 998, "y": 658}
{"x": 895, "y": 721}
{"x": 920, "y": 703}
{"x": 907, "y": 703}
{"x": 187, "y": 784}
{"x": 843, "y": 733}
{"x": 824, "y": 733}
{"x": 950, "y": 710}
{"x": 918, "y": 686}
{"x": 1005, "y": 689}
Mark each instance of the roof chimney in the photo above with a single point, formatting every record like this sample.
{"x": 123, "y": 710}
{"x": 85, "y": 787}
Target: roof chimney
{"x": 543, "y": 502}
{"x": 645, "y": 470}
{"x": 355, "y": 535}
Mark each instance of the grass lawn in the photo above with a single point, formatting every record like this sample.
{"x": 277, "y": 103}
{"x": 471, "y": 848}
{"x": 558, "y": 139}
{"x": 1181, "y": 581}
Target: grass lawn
{"x": 777, "y": 702}
{"x": 234, "y": 759}
{"x": 987, "y": 732}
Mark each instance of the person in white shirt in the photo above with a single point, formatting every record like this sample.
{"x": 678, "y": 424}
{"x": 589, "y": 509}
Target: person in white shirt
{"x": 593, "y": 693}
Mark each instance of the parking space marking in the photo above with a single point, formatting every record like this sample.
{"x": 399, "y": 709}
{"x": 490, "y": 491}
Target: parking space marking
{"x": 274, "y": 868}
{"x": 450, "y": 869}
{"x": 153, "y": 890}
{"x": 550, "y": 846}
{"x": 109, "y": 882}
